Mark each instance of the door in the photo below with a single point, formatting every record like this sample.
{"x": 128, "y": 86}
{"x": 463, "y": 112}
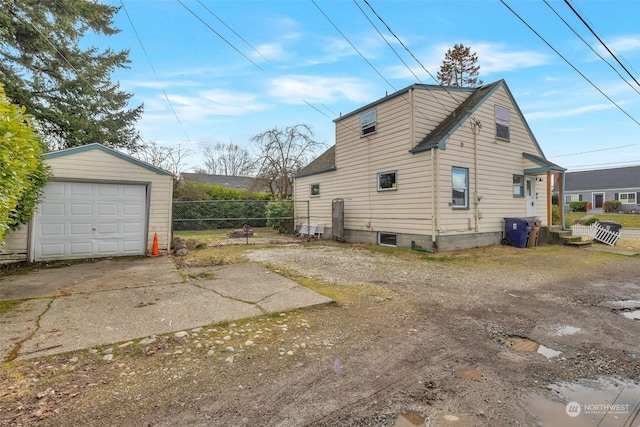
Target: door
{"x": 530, "y": 194}
{"x": 598, "y": 198}
{"x": 87, "y": 220}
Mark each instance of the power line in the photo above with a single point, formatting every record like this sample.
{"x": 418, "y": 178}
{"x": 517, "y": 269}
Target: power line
{"x": 175, "y": 114}
{"x": 604, "y": 165}
{"x": 232, "y": 30}
{"x": 352, "y": 45}
{"x": 570, "y": 64}
{"x": 218, "y": 34}
{"x": 600, "y": 40}
{"x": 590, "y": 47}
{"x": 594, "y": 151}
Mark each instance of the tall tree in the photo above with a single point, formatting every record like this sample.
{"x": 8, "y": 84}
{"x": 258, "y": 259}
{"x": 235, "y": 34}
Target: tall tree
{"x": 66, "y": 87}
{"x": 228, "y": 159}
{"x": 459, "y": 67}
{"x": 281, "y": 154}
{"x": 22, "y": 171}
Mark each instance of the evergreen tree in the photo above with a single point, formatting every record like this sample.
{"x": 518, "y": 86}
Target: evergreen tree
{"x": 459, "y": 67}
{"x": 65, "y": 87}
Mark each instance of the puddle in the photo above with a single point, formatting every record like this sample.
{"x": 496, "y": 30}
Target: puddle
{"x": 525, "y": 344}
{"x": 607, "y": 402}
{"x": 409, "y": 419}
{"x": 565, "y": 330}
{"x": 629, "y": 308}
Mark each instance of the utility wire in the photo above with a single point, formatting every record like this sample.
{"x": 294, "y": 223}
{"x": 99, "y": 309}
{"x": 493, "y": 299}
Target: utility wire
{"x": 600, "y": 40}
{"x": 409, "y": 51}
{"x": 232, "y": 30}
{"x": 570, "y": 64}
{"x": 590, "y": 47}
{"x": 352, "y": 45}
{"x": 218, "y": 34}
{"x": 594, "y": 151}
{"x": 175, "y": 114}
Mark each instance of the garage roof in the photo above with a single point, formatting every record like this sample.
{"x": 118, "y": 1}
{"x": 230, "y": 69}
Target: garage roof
{"x": 100, "y": 147}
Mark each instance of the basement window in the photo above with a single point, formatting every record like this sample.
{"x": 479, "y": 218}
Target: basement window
{"x": 368, "y": 123}
{"x": 387, "y": 239}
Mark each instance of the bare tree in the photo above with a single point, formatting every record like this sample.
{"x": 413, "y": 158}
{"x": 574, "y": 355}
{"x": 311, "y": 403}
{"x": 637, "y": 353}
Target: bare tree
{"x": 459, "y": 67}
{"x": 228, "y": 159}
{"x": 281, "y": 154}
{"x": 171, "y": 159}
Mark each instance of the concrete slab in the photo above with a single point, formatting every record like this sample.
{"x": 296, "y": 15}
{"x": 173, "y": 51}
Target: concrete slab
{"x": 110, "y": 273}
{"x": 99, "y": 303}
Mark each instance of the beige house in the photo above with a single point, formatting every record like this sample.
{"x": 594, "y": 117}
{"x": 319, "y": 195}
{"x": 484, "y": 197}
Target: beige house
{"x": 439, "y": 168}
{"x": 99, "y": 203}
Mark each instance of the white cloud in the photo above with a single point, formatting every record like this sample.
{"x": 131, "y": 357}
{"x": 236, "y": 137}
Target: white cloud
{"x": 296, "y": 89}
{"x": 494, "y": 58}
{"x": 271, "y": 51}
{"x": 622, "y": 44}
{"x": 555, "y": 114}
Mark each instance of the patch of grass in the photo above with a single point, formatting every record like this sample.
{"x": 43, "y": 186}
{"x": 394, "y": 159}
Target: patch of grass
{"x": 10, "y": 305}
{"x": 214, "y": 237}
{"x": 220, "y": 255}
{"x": 627, "y": 220}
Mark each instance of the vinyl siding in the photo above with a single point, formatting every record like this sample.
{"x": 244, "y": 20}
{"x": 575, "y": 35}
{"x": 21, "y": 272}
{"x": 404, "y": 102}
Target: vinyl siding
{"x": 409, "y": 208}
{"x": 95, "y": 165}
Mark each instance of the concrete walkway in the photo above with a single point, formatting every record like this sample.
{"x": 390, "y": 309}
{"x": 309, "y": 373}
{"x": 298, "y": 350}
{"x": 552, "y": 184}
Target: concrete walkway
{"x": 87, "y": 304}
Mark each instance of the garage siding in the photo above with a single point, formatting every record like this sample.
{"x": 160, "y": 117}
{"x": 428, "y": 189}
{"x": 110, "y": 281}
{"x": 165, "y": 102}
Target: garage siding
{"x": 95, "y": 163}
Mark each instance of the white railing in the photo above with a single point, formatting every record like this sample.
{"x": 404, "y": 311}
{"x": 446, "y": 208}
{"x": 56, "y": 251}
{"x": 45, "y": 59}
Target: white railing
{"x": 604, "y": 235}
{"x": 581, "y": 230}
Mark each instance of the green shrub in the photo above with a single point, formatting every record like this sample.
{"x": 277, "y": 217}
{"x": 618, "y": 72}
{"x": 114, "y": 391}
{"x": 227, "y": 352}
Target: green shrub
{"x": 590, "y": 221}
{"x": 555, "y": 215}
{"x": 578, "y": 206}
{"x": 611, "y": 205}
{"x": 280, "y": 216}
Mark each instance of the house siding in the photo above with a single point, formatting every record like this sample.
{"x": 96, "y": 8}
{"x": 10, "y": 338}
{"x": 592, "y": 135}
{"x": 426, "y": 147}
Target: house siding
{"x": 95, "y": 165}
{"x": 409, "y": 210}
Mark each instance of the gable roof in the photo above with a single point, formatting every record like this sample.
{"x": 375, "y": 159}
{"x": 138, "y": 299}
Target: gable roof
{"x": 111, "y": 151}
{"x": 225, "y": 181}
{"x": 326, "y": 162}
{"x": 602, "y": 179}
{"x": 438, "y": 137}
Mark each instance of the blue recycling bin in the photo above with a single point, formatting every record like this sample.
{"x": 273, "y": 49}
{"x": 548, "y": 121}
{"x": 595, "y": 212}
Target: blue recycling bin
{"x": 516, "y": 231}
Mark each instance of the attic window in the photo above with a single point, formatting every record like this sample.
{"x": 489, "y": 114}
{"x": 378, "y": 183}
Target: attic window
{"x": 502, "y": 122}
{"x": 368, "y": 123}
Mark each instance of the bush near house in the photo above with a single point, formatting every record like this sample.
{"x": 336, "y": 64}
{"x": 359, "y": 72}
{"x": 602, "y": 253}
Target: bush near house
{"x": 578, "y": 206}
{"x": 280, "y": 216}
{"x": 611, "y": 205}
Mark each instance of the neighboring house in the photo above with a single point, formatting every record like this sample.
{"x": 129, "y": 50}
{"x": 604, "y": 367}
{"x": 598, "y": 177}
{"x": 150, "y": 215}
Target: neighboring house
{"x": 438, "y": 168}
{"x": 601, "y": 185}
{"x": 99, "y": 203}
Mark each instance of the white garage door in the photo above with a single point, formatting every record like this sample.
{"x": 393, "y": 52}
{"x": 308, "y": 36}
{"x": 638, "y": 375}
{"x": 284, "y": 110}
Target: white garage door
{"x": 86, "y": 220}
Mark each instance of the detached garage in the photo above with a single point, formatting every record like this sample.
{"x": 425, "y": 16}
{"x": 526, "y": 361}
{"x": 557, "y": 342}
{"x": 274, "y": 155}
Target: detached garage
{"x": 99, "y": 203}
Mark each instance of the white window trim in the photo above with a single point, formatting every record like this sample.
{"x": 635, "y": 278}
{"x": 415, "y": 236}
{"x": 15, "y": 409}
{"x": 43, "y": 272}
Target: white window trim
{"x": 521, "y": 186}
{"x": 386, "y": 244}
{"x": 502, "y": 122}
{"x": 626, "y": 201}
{"x": 466, "y": 195}
{"x": 368, "y": 124}
{"x": 311, "y": 188}
{"x": 395, "y": 184}
{"x": 568, "y": 198}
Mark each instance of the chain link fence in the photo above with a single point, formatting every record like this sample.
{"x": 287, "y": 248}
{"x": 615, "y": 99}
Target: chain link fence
{"x": 216, "y": 214}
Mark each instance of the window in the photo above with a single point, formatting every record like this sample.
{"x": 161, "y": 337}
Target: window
{"x": 460, "y": 188}
{"x": 386, "y": 181}
{"x": 387, "y": 239}
{"x": 518, "y": 186}
{"x": 627, "y": 198}
{"x": 568, "y": 198}
{"x": 368, "y": 123}
{"x": 314, "y": 190}
{"x": 502, "y": 122}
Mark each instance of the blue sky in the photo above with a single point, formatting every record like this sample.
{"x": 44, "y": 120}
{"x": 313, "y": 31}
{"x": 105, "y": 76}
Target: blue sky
{"x": 294, "y": 63}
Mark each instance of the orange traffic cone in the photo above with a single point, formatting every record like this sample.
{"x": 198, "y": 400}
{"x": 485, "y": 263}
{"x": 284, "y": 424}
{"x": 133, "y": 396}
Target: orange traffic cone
{"x": 154, "y": 250}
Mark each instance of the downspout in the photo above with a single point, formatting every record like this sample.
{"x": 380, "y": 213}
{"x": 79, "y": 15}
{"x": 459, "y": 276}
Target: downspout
{"x": 433, "y": 199}
{"x": 549, "y": 201}
{"x": 561, "y": 202}
{"x": 475, "y": 127}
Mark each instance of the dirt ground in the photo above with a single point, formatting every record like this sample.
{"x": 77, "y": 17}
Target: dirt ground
{"x": 410, "y": 331}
